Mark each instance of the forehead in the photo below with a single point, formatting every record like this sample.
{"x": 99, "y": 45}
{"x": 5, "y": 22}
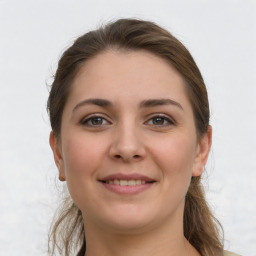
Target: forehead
{"x": 128, "y": 72}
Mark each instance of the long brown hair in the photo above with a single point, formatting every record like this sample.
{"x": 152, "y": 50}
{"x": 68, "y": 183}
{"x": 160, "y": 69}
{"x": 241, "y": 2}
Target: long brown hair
{"x": 201, "y": 228}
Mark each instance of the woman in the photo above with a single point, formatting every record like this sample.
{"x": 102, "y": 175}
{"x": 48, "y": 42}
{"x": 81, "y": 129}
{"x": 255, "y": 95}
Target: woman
{"x": 131, "y": 136}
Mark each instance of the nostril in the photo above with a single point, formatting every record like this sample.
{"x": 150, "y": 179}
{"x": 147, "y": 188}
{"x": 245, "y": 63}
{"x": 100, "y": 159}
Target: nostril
{"x": 136, "y": 156}
{"x": 117, "y": 156}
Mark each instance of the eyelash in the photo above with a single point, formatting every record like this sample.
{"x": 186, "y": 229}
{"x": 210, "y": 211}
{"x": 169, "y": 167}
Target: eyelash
{"x": 167, "y": 121}
{"x": 88, "y": 121}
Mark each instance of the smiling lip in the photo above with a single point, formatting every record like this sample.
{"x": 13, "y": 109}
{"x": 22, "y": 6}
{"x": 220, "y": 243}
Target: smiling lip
{"x": 127, "y": 183}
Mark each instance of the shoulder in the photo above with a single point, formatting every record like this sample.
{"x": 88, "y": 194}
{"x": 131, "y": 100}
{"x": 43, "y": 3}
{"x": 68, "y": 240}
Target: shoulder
{"x": 227, "y": 253}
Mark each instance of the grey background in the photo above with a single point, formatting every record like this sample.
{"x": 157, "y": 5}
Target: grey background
{"x": 221, "y": 35}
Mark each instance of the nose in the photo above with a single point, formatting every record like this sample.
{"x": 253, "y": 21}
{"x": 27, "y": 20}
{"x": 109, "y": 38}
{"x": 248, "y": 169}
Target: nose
{"x": 127, "y": 144}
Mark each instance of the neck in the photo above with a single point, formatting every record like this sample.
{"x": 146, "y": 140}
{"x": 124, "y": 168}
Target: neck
{"x": 161, "y": 241}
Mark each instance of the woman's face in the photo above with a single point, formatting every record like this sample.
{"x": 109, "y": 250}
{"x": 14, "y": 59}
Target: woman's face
{"x": 128, "y": 144}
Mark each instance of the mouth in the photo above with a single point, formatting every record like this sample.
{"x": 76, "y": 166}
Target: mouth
{"x": 127, "y": 184}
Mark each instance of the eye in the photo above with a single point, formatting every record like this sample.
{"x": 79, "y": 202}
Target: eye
{"x": 160, "y": 121}
{"x": 94, "y": 121}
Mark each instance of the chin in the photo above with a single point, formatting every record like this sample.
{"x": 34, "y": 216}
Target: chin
{"x": 129, "y": 219}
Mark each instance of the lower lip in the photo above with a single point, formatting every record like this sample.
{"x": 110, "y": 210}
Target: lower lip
{"x": 127, "y": 190}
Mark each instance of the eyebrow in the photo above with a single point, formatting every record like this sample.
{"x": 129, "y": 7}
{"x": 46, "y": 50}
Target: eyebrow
{"x": 159, "y": 102}
{"x": 97, "y": 102}
{"x": 143, "y": 104}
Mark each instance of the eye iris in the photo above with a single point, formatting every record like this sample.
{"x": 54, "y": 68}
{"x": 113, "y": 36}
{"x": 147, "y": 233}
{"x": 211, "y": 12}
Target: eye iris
{"x": 97, "y": 121}
{"x": 158, "y": 120}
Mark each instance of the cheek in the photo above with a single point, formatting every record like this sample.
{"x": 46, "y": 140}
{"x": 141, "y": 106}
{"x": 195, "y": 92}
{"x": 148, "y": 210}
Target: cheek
{"x": 175, "y": 157}
{"x": 81, "y": 154}
{"x": 82, "y": 157}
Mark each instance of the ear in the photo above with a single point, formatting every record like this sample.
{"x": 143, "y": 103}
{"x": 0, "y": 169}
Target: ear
{"x": 202, "y": 152}
{"x": 57, "y": 156}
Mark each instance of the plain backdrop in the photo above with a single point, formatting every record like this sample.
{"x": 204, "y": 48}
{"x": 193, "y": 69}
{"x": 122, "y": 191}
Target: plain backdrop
{"x": 221, "y": 35}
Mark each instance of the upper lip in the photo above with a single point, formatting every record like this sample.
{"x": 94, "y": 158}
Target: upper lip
{"x": 122, "y": 176}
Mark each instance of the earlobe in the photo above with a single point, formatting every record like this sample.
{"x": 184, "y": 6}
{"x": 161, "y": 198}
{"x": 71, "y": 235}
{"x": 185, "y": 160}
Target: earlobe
{"x": 202, "y": 153}
{"x": 57, "y": 156}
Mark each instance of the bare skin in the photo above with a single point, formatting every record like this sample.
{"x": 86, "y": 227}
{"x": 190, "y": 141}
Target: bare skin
{"x": 128, "y": 116}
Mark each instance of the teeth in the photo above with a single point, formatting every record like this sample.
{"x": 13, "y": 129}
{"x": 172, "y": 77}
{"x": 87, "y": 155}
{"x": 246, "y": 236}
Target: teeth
{"x": 126, "y": 182}
{"x": 123, "y": 182}
{"x": 131, "y": 183}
